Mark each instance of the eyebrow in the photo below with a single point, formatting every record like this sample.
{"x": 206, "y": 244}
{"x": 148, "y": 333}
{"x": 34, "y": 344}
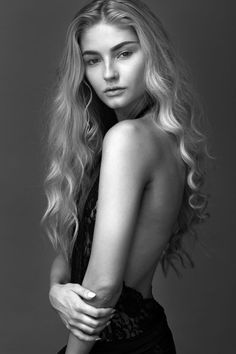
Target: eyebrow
{"x": 117, "y": 46}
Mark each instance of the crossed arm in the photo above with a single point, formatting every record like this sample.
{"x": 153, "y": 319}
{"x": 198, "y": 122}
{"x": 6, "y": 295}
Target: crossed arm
{"x": 125, "y": 170}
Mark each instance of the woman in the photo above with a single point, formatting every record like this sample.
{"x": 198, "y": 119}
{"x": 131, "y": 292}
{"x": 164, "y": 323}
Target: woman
{"x": 124, "y": 149}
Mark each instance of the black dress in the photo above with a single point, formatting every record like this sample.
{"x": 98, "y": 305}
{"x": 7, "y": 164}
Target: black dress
{"x": 139, "y": 324}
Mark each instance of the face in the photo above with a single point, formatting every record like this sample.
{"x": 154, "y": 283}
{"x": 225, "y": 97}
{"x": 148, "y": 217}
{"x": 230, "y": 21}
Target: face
{"x": 113, "y": 58}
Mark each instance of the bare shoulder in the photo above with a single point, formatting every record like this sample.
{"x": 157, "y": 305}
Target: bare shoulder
{"x": 129, "y": 143}
{"x": 122, "y": 130}
{"x": 135, "y": 135}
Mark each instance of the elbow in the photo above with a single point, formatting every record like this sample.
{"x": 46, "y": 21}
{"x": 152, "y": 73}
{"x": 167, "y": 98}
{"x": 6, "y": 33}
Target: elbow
{"x": 107, "y": 295}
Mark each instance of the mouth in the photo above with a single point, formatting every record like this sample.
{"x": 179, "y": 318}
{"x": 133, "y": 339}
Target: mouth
{"x": 114, "y": 91}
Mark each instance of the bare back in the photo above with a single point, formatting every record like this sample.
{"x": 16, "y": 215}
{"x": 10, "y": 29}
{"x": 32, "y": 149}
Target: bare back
{"x": 161, "y": 201}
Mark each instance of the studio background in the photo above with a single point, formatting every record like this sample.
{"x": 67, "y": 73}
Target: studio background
{"x": 200, "y": 307}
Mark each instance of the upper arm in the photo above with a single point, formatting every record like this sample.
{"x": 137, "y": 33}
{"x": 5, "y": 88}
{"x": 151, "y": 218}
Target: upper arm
{"x": 125, "y": 170}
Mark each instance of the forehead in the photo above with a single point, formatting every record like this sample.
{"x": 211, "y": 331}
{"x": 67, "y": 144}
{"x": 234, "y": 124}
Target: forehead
{"x": 104, "y": 36}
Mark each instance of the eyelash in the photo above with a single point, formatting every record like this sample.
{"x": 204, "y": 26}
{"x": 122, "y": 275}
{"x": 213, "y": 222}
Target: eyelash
{"x": 88, "y": 62}
{"x": 126, "y": 51}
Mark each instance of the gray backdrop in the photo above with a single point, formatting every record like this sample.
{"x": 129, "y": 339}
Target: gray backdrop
{"x": 200, "y": 306}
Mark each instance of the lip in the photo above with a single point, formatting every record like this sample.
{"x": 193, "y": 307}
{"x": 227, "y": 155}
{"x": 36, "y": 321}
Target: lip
{"x": 115, "y": 88}
{"x": 114, "y": 91}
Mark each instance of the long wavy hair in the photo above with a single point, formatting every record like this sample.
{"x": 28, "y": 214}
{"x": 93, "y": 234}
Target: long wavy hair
{"x": 79, "y": 121}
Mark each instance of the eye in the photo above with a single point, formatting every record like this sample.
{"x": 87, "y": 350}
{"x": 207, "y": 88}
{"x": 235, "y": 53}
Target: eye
{"x": 125, "y": 54}
{"x": 91, "y": 62}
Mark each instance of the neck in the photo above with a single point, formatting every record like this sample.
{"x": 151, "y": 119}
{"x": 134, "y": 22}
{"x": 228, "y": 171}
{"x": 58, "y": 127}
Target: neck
{"x": 134, "y": 110}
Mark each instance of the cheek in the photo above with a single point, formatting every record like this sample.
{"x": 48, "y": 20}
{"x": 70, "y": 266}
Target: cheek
{"x": 138, "y": 74}
{"x": 137, "y": 68}
{"x": 93, "y": 79}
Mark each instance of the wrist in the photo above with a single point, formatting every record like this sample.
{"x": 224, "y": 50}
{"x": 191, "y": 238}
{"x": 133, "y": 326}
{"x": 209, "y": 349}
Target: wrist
{"x": 52, "y": 292}
{"x": 58, "y": 281}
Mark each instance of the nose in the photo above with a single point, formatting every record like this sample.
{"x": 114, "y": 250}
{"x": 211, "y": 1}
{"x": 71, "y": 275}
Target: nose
{"x": 110, "y": 72}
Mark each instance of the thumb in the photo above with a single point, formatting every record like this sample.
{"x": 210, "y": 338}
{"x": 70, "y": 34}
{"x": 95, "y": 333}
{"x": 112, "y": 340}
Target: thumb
{"x": 83, "y": 292}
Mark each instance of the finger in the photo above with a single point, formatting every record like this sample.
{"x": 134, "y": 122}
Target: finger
{"x": 82, "y": 336}
{"x": 86, "y": 329}
{"x": 83, "y": 292}
{"x": 89, "y": 330}
{"x": 96, "y": 312}
{"x": 89, "y": 321}
{"x": 102, "y": 326}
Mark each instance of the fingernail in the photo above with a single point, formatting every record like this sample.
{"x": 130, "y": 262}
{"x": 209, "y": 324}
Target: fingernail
{"x": 108, "y": 323}
{"x": 113, "y": 311}
{"x": 91, "y": 295}
{"x": 98, "y": 338}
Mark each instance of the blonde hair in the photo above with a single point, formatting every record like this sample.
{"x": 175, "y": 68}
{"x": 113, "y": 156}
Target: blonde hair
{"x": 77, "y": 125}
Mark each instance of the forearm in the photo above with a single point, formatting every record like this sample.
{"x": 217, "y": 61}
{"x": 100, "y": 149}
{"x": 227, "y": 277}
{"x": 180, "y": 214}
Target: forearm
{"x": 104, "y": 298}
{"x": 60, "y": 271}
{"x": 77, "y": 346}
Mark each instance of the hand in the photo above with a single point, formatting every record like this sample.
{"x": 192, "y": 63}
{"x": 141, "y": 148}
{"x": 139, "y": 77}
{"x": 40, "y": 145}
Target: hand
{"x": 82, "y": 319}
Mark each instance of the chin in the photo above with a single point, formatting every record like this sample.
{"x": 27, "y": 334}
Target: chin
{"x": 119, "y": 102}
{"x": 115, "y": 105}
